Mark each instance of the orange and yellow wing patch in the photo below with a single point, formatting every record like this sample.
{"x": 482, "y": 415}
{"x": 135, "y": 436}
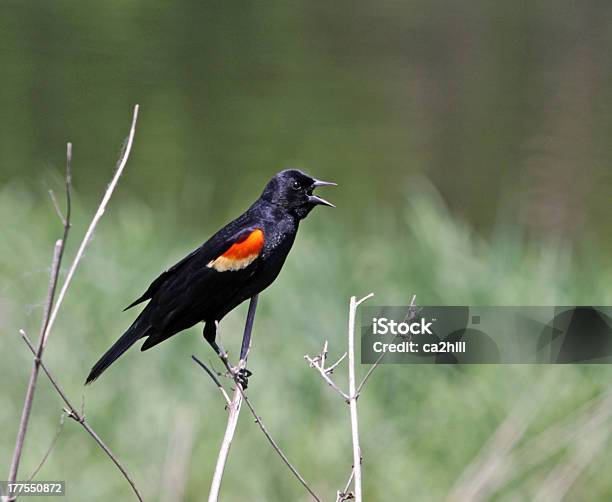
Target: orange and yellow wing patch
{"x": 241, "y": 253}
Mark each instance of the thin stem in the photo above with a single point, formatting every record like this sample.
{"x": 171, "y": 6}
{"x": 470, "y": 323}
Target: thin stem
{"x": 341, "y": 496}
{"x": 51, "y": 307}
{"x": 276, "y": 447}
{"x": 234, "y": 406}
{"x": 213, "y": 378}
{"x": 335, "y": 365}
{"x": 29, "y": 397}
{"x": 92, "y": 226}
{"x": 56, "y": 207}
{"x": 73, "y": 413}
{"x": 58, "y": 254}
{"x": 318, "y": 363}
{"x": 353, "y": 396}
{"x": 263, "y": 428}
{"x": 58, "y": 433}
{"x": 366, "y": 297}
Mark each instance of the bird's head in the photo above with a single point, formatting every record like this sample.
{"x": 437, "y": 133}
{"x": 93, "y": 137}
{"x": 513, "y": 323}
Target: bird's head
{"x": 292, "y": 190}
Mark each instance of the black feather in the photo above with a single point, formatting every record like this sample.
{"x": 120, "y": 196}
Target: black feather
{"x": 136, "y": 331}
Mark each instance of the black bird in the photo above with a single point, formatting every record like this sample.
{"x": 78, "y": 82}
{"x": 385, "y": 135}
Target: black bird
{"x": 239, "y": 261}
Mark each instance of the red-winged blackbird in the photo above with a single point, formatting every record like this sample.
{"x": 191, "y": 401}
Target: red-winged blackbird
{"x": 239, "y": 261}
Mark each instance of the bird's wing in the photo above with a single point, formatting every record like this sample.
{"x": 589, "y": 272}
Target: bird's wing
{"x": 242, "y": 250}
{"x": 163, "y": 277}
{"x": 218, "y": 253}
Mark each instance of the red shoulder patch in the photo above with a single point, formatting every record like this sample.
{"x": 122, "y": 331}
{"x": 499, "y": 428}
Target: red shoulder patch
{"x": 241, "y": 253}
{"x": 248, "y": 245}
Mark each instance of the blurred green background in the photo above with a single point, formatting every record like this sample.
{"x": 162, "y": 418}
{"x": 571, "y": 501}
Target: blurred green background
{"x": 471, "y": 146}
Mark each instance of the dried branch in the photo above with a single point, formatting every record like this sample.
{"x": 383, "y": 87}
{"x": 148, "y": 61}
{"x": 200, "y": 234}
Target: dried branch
{"x": 342, "y": 495}
{"x": 276, "y": 447}
{"x": 73, "y": 413}
{"x": 262, "y": 426}
{"x": 92, "y": 226}
{"x": 56, "y": 437}
{"x": 214, "y": 379}
{"x": 331, "y": 369}
{"x": 56, "y": 206}
{"x": 318, "y": 363}
{"x": 51, "y": 307}
{"x": 353, "y": 395}
{"x": 235, "y": 404}
{"x": 29, "y": 397}
{"x": 234, "y": 409}
{"x": 58, "y": 254}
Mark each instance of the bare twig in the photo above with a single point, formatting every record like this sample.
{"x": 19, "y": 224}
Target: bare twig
{"x": 214, "y": 379}
{"x": 56, "y": 206}
{"x": 73, "y": 413}
{"x": 276, "y": 447}
{"x": 58, "y": 254}
{"x": 331, "y": 369}
{"x": 318, "y": 363}
{"x": 92, "y": 226}
{"x": 263, "y": 428}
{"x": 345, "y": 494}
{"x": 58, "y": 433}
{"x": 234, "y": 406}
{"x": 29, "y": 397}
{"x": 51, "y": 307}
{"x": 353, "y": 395}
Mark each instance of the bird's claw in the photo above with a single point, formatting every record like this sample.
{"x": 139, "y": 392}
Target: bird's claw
{"x": 242, "y": 377}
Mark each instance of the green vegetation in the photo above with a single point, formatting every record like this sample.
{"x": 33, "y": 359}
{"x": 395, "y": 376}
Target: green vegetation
{"x": 421, "y": 425}
{"x": 471, "y": 145}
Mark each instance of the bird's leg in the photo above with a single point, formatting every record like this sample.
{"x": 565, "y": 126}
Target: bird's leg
{"x": 240, "y": 375}
{"x": 209, "y": 336}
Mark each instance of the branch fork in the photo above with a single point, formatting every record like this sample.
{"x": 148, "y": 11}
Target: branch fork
{"x": 234, "y": 404}
{"x": 318, "y": 362}
{"x": 52, "y": 307}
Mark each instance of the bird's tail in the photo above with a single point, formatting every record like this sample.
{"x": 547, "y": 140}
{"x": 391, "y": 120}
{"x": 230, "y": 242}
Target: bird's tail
{"x": 137, "y": 330}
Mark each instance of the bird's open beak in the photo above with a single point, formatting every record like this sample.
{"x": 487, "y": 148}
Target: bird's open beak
{"x": 315, "y": 199}
{"x": 320, "y": 183}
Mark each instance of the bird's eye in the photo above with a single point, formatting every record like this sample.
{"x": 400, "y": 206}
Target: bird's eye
{"x": 296, "y": 185}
